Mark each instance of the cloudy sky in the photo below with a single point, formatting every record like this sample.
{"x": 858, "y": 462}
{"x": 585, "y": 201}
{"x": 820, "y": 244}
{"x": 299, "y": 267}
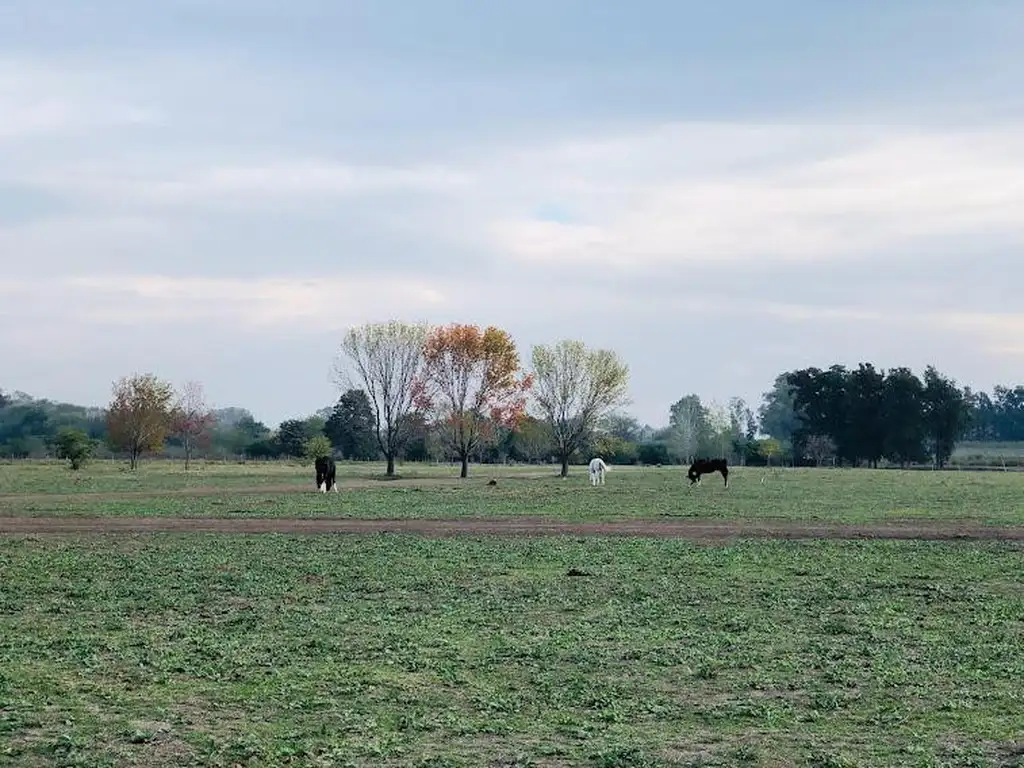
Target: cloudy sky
{"x": 720, "y": 191}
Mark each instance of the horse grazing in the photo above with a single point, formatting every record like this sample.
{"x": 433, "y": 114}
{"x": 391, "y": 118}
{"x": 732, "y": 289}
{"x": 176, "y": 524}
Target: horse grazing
{"x": 325, "y": 471}
{"x": 597, "y": 469}
{"x": 707, "y": 467}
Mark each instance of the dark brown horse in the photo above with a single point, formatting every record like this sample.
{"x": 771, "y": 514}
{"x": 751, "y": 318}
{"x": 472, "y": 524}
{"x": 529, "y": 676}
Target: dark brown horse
{"x": 707, "y": 467}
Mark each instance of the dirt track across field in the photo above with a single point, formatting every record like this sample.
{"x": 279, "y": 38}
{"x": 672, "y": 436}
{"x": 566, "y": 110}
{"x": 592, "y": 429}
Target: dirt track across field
{"x": 693, "y": 530}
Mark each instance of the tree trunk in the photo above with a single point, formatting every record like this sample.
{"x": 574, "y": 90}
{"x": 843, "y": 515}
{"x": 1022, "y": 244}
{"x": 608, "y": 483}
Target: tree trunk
{"x": 565, "y": 466}
{"x": 188, "y": 455}
{"x": 391, "y": 464}
{"x": 133, "y": 458}
{"x": 464, "y": 472}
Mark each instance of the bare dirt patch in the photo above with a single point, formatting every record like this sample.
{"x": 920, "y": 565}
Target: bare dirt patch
{"x": 694, "y": 530}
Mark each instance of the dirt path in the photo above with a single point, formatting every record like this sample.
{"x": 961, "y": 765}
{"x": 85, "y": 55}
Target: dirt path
{"x": 694, "y": 530}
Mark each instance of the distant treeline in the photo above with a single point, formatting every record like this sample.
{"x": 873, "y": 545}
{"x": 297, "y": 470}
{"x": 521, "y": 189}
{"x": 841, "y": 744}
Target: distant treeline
{"x": 860, "y": 416}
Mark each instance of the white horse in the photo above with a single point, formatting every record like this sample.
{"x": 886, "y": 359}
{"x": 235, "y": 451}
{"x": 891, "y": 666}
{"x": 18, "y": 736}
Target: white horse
{"x": 597, "y": 469}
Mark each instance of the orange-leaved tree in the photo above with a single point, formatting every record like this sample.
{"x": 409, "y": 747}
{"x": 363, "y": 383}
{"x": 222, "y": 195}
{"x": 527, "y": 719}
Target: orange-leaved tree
{"x": 472, "y": 386}
{"x": 139, "y": 415}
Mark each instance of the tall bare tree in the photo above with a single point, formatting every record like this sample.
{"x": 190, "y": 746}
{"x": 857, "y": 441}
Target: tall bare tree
{"x": 192, "y": 420}
{"x": 385, "y": 360}
{"x": 819, "y": 448}
{"x": 573, "y": 389}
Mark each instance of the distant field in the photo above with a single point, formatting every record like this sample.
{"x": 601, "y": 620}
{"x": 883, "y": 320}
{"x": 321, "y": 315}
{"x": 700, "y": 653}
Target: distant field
{"x": 428, "y": 491}
{"x": 226, "y": 649}
{"x": 992, "y": 450}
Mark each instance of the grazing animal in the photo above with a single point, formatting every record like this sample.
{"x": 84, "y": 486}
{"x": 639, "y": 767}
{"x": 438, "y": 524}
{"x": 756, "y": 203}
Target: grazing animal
{"x": 597, "y": 470}
{"x": 707, "y": 467}
{"x": 325, "y": 471}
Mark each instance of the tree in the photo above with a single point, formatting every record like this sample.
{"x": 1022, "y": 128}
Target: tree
{"x": 471, "y": 385}
{"x": 689, "y": 426}
{"x": 532, "y": 440}
{"x": 263, "y": 448}
{"x": 421, "y": 442}
{"x": 73, "y": 445}
{"x": 237, "y": 436}
{"x": 622, "y": 426}
{"x": 317, "y": 447}
{"x": 574, "y": 387}
{"x": 742, "y": 428}
{"x": 385, "y": 360}
{"x": 25, "y": 428}
{"x": 821, "y": 399}
{"x": 818, "y": 448}
{"x": 768, "y": 448}
{"x": 654, "y": 454}
{"x": 614, "y": 450}
{"x": 984, "y": 425}
{"x": 741, "y": 419}
{"x": 292, "y": 435}
{"x": 864, "y": 407}
{"x": 903, "y": 415}
{"x": 946, "y": 413}
{"x": 778, "y": 414}
{"x": 139, "y": 415}
{"x": 1008, "y": 406}
{"x": 719, "y": 437}
{"x": 350, "y": 426}
{"x": 192, "y": 420}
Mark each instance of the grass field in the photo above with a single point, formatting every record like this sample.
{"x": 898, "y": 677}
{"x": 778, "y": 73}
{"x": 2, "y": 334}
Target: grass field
{"x": 396, "y": 650}
{"x": 992, "y": 449}
{"x": 429, "y": 491}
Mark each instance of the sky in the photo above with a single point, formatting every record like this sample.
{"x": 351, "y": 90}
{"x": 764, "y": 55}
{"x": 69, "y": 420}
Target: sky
{"x": 719, "y": 191}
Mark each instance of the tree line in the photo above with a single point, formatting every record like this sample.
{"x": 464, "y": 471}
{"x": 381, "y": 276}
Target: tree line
{"x": 459, "y": 392}
{"x": 863, "y": 415}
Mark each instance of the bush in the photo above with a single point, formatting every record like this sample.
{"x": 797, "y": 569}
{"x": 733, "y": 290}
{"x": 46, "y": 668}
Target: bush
{"x": 318, "y": 446}
{"x": 75, "y": 446}
{"x": 654, "y": 453}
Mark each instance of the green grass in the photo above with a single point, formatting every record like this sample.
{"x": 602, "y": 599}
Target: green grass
{"x": 989, "y": 449}
{"x": 161, "y": 475}
{"x": 393, "y": 650}
{"x": 224, "y": 650}
{"x": 852, "y": 496}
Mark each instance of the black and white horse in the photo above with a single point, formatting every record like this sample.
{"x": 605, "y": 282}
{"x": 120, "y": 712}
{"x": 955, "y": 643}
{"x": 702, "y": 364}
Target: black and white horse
{"x": 325, "y": 471}
{"x": 707, "y": 467}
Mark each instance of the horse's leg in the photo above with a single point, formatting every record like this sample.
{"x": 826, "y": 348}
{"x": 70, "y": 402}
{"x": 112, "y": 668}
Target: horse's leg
{"x": 725, "y": 476}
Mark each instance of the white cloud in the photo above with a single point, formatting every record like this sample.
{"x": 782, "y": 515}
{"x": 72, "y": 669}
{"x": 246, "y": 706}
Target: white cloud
{"x": 255, "y": 304}
{"x": 332, "y": 302}
{"x": 252, "y": 186}
{"x": 996, "y": 333}
{"x": 678, "y": 195}
{"x": 753, "y": 194}
{"x": 42, "y": 101}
